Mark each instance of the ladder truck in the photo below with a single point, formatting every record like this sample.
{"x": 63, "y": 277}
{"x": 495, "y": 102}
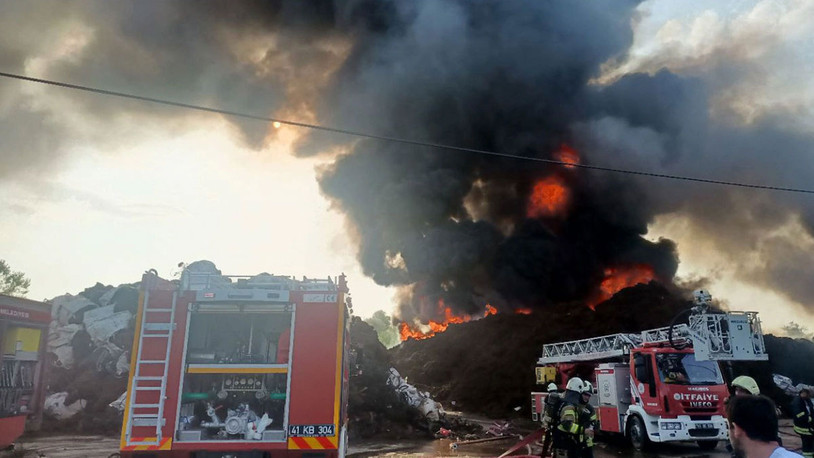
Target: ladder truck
{"x": 660, "y": 385}
{"x": 238, "y": 367}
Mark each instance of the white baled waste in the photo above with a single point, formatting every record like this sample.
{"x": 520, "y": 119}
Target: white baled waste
{"x": 422, "y": 401}
{"x": 55, "y": 406}
{"x": 64, "y": 308}
{"x": 788, "y": 386}
{"x": 119, "y": 403}
{"x": 103, "y": 322}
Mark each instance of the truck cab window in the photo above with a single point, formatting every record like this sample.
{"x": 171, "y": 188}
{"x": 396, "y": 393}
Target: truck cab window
{"x": 640, "y": 365}
{"x": 684, "y": 369}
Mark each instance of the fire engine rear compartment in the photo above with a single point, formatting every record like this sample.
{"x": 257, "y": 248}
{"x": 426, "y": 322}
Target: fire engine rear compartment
{"x": 242, "y": 371}
{"x": 235, "y": 387}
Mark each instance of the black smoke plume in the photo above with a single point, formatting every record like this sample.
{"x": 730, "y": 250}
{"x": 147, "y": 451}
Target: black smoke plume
{"x": 452, "y": 226}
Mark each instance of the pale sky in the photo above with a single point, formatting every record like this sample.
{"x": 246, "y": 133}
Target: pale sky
{"x": 165, "y": 193}
{"x": 172, "y": 199}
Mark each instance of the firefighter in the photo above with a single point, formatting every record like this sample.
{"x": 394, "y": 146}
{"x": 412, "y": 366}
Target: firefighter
{"x": 568, "y": 431}
{"x": 744, "y": 384}
{"x": 803, "y": 413}
{"x": 551, "y": 415}
{"x": 587, "y": 421}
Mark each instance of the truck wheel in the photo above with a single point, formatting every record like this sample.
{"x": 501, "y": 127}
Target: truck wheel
{"x": 707, "y": 445}
{"x": 637, "y": 433}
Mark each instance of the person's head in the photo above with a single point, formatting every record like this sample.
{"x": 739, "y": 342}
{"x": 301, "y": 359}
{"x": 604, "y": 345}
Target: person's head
{"x": 752, "y": 422}
{"x": 552, "y": 388}
{"x": 574, "y": 384}
{"x": 805, "y": 394}
{"x": 744, "y": 385}
{"x": 587, "y": 390}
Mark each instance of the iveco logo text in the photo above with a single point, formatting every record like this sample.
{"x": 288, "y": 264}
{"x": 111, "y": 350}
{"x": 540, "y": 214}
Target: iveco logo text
{"x": 697, "y": 399}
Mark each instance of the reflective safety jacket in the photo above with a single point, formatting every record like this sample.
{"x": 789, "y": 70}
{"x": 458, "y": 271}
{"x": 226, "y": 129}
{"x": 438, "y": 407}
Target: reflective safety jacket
{"x": 587, "y": 420}
{"x": 568, "y": 432}
{"x": 802, "y": 411}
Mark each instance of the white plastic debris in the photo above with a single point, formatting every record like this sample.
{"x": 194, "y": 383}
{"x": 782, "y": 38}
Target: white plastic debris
{"x": 64, "y": 308}
{"x": 118, "y": 404}
{"x": 414, "y": 398}
{"x": 59, "y": 335}
{"x": 103, "y": 322}
{"x": 802, "y": 386}
{"x": 787, "y": 385}
{"x": 64, "y": 356}
{"x": 123, "y": 364}
{"x": 105, "y": 298}
{"x": 55, "y": 406}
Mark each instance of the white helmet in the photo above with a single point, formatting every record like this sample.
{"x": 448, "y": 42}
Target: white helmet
{"x": 574, "y": 384}
{"x": 552, "y": 387}
{"x": 587, "y": 388}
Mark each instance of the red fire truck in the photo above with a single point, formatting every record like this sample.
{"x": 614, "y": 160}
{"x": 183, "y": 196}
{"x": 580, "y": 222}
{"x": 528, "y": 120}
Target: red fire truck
{"x": 23, "y": 333}
{"x": 238, "y": 367}
{"x": 662, "y": 385}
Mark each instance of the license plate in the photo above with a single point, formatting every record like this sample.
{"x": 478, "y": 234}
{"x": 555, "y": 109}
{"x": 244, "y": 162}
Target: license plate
{"x": 705, "y": 426}
{"x": 311, "y": 430}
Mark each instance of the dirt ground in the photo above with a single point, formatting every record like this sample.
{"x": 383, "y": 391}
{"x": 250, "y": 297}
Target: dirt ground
{"x": 101, "y": 447}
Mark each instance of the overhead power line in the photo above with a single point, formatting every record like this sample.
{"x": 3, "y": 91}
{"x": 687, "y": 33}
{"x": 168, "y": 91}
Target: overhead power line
{"x": 406, "y": 141}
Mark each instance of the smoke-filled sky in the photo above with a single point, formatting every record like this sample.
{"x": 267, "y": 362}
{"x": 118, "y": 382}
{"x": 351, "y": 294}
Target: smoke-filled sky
{"x": 94, "y": 188}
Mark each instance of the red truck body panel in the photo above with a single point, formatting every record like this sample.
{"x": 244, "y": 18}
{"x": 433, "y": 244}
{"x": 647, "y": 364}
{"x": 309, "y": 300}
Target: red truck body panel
{"x": 23, "y": 336}
{"x": 314, "y": 372}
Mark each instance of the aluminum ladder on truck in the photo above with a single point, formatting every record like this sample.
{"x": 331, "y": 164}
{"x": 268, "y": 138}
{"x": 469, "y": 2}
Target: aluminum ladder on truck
{"x": 155, "y": 332}
{"x": 592, "y": 349}
{"x": 731, "y": 336}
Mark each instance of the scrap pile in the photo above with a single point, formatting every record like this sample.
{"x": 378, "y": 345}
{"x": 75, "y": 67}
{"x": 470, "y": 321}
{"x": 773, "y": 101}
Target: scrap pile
{"x": 383, "y": 404}
{"x": 89, "y": 342}
{"x": 487, "y": 366}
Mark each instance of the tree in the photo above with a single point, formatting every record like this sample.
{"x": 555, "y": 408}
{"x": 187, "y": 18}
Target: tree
{"x": 387, "y": 332}
{"x": 12, "y": 283}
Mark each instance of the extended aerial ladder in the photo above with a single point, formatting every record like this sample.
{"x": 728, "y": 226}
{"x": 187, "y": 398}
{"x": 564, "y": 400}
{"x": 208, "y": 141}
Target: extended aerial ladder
{"x": 714, "y": 336}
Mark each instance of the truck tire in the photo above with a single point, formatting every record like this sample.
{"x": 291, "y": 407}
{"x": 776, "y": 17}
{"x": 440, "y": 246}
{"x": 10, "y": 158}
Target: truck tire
{"x": 637, "y": 433}
{"x": 707, "y": 445}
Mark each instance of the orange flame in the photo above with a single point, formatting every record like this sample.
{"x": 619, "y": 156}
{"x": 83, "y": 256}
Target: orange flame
{"x": 619, "y": 278}
{"x": 435, "y": 327}
{"x": 568, "y": 155}
{"x": 406, "y": 331}
{"x": 549, "y": 197}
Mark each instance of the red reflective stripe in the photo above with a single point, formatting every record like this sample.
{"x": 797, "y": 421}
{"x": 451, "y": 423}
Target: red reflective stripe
{"x": 301, "y": 443}
{"x": 326, "y": 443}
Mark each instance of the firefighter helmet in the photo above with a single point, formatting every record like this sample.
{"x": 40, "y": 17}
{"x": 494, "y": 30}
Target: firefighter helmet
{"x": 587, "y": 388}
{"x": 574, "y": 384}
{"x": 552, "y": 388}
{"x": 747, "y": 383}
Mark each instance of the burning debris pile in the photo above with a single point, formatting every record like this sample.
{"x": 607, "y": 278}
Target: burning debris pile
{"x": 382, "y": 404}
{"x": 487, "y": 366}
